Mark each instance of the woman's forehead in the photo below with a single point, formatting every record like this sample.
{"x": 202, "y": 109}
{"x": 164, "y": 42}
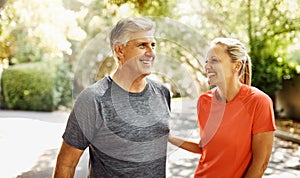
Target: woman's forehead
{"x": 216, "y": 50}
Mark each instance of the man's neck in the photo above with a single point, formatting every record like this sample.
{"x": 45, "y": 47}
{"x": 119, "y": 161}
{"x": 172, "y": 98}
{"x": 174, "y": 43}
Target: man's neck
{"x": 130, "y": 83}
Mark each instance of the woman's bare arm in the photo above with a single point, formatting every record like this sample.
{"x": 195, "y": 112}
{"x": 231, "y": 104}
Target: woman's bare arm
{"x": 261, "y": 148}
{"x": 186, "y": 145}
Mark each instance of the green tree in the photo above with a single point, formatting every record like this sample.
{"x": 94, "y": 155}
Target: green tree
{"x": 268, "y": 27}
{"x": 6, "y": 26}
{"x": 98, "y": 16}
{"x": 149, "y": 7}
{"x": 272, "y": 25}
{"x": 36, "y": 30}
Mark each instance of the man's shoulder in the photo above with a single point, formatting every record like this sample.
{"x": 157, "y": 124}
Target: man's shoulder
{"x": 98, "y": 88}
{"x": 102, "y": 85}
{"x": 156, "y": 84}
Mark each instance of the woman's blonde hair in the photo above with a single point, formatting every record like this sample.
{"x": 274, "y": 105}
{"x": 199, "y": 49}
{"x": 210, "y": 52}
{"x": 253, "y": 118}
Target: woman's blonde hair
{"x": 237, "y": 51}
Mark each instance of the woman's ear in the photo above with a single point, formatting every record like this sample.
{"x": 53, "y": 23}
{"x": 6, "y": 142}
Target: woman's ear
{"x": 238, "y": 66}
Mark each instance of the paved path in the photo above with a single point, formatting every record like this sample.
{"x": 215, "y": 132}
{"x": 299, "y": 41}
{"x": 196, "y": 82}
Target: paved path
{"x": 29, "y": 142}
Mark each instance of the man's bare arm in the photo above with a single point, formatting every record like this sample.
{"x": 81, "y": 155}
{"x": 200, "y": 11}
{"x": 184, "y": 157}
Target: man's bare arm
{"x": 67, "y": 161}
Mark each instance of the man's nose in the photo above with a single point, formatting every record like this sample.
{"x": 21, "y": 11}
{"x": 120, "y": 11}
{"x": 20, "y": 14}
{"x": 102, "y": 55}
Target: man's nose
{"x": 150, "y": 52}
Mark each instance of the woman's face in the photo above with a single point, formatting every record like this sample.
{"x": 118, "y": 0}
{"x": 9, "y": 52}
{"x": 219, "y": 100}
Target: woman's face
{"x": 219, "y": 66}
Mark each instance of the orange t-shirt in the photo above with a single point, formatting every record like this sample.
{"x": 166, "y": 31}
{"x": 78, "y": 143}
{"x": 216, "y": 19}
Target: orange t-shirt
{"x": 226, "y": 131}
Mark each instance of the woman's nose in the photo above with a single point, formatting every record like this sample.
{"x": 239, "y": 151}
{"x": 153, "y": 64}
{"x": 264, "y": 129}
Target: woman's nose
{"x": 207, "y": 66}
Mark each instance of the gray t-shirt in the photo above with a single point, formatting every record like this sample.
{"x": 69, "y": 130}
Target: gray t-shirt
{"x": 126, "y": 132}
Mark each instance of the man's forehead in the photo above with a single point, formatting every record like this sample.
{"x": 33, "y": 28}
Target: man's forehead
{"x": 143, "y": 35}
{"x": 142, "y": 40}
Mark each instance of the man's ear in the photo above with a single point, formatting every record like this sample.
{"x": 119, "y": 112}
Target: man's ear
{"x": 119, "y": 51}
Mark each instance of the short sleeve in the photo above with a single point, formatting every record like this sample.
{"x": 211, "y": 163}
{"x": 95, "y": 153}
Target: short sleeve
{"x": 167, "y": 96}
{"x": 83, "y": 121}
{"x": 73, "y": 134}
{"x": 264, "y": 115}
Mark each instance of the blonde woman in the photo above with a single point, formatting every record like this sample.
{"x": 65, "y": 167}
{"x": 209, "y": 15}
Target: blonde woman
{"x": 236, "y": 120}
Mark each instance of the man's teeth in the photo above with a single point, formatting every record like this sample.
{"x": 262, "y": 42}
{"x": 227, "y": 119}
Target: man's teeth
{"x": 146, "y": 62}
{"x": 211, "y": 74}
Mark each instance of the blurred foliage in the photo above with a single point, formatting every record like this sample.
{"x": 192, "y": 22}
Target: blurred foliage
{"x": 149, "y": 7}
{"x": 99, "y": 18}
{"x": 62, "y": 92}
{"x": 294, "y": 56}
{"x": 28, "y": 87}
{"x": 179, "y": 58}
{"x": 24, "y": 47}
{"x": 29, "y": 33}
{"x": 76, "y": 31}
{"x": 96, "y": 16}
{"x": 6, "y": 22}
{"x": 272, "y": 27}
{"x": 267, "y": 27}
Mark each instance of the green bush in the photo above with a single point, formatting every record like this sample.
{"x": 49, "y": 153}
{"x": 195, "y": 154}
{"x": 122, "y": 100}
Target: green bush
{"x": 63, "y": 85}
{"x": 29, "y": 87}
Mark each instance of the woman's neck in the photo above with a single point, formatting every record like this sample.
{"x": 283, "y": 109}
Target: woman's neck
{"x": 228, "y": 92}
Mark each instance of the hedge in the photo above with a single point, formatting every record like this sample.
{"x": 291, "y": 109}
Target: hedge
{"x": 29, "y": 87}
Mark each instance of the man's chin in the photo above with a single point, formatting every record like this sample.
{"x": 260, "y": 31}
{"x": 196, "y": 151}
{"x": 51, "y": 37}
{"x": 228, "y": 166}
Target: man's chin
{"x": 146, "y": 74}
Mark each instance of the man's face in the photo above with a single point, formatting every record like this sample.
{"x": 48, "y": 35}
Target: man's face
{"x": 139, "y": 53}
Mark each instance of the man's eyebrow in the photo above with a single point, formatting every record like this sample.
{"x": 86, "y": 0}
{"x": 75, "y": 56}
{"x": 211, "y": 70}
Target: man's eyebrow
{"x": 144, "y": 42}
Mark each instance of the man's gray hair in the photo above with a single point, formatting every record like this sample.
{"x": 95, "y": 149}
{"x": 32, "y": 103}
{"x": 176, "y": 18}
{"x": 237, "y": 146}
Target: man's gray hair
{"x": 122, "y": 31}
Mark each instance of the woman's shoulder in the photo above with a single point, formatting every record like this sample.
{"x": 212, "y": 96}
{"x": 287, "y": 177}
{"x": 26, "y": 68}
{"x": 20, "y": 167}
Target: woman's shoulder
{"x": 254, "y": 93}
{"x": 207, "y": 95}
{"x": 252, "y": 90}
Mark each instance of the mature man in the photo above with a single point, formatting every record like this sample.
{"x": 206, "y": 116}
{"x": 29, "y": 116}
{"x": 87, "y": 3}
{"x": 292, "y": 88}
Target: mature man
{"x": 122, "y": 118}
